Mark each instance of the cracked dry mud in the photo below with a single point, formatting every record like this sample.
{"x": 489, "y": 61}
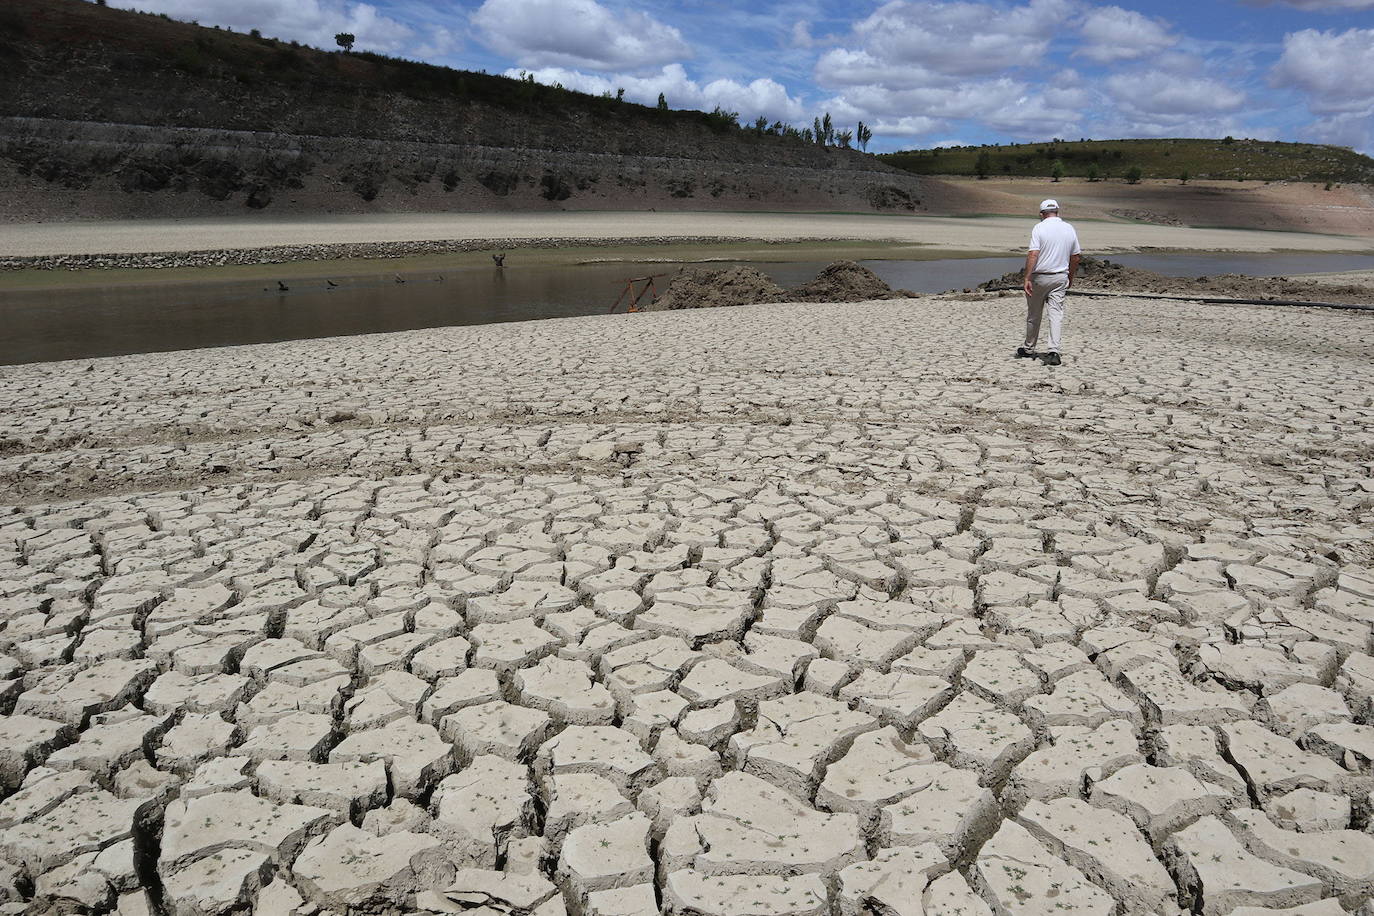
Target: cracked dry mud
{"x": 768, "y": 611}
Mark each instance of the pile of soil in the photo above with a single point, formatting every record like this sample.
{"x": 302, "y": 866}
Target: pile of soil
{"x": 846, "y": 281}
{"x": 842, "y": 281}
{"x": 1102, "y": 275}
{"x": 694, "y": 288}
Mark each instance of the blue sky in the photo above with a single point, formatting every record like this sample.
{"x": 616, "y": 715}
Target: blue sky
{"x": 918, "y": 72}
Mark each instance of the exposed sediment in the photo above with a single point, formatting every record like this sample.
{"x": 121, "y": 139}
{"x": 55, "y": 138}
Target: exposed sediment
{"x": 1102, "y": 275}
{"x": 288, "y": 254}
{"x": 840, "y": 281}
{"x": 784, "y": 609}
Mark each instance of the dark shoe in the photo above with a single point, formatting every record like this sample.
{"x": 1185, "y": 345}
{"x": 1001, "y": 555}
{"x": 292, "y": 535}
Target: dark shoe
{"x": 1023, "y": 353}
{"x": 1052, "y": 359}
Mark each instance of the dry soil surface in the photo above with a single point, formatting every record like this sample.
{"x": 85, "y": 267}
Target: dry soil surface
{"x": 784, "y": 609}
{"x": 994, "y": 234}
{"x": 1285, "y": 206}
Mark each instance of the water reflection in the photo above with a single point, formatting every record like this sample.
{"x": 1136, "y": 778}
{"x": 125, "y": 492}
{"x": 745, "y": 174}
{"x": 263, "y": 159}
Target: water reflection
{"x": 71, "y": 324}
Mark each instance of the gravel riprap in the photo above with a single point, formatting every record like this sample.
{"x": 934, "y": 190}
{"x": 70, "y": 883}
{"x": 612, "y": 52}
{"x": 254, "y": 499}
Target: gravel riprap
{"x": 781, "y": 609}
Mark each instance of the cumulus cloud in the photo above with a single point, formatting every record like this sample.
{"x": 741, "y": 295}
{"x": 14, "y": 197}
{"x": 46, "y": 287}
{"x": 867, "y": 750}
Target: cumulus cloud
{"x": 1332, "y": 69}
{"x": 955, "y": 39}
{"x": 577, "y": 34}
{"x": 1160, "y": 93}
{"x": 1354, "y": 131}
{"x": 907, "y": 127}
{"x": 913, "y": 67}
{"x": 1004, "y": 104}
{"x": 1112, "y": 34}
{"x": 438, "y": 42}
{"x": 313, "y": 22}
{"x": 765, "y": 97}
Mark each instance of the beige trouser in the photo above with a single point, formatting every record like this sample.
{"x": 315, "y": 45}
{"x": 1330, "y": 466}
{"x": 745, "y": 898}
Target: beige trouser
{"x": 1046, "y": 289}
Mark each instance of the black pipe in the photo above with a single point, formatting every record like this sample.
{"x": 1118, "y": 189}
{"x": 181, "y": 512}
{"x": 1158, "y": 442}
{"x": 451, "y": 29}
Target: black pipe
{"x": 1207, "y": 300}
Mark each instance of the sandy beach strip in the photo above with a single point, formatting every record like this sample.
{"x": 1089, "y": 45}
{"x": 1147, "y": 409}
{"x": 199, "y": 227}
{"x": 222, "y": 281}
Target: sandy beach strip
{"x": 319, "y": 236}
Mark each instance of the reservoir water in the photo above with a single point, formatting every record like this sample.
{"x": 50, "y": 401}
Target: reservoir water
{"x": 81, "y": 323}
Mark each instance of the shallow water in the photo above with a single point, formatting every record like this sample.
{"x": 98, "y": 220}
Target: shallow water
{"x": 84, "y": 323}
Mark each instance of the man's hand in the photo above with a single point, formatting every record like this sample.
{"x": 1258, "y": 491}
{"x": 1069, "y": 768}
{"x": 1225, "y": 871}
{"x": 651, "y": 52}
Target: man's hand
{"x": 1030, "y": 290}
{"x": 1070, "y": 286}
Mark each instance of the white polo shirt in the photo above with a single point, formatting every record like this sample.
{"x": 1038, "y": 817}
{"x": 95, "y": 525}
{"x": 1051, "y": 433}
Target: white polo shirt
{"x": 1056, "y": 241}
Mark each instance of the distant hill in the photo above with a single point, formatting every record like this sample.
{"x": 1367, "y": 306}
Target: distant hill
{"x": 109, "y": 112}
{"x": 1228, "y": 158}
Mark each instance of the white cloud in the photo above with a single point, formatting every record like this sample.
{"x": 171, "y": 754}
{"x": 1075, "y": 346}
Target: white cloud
{"x": 765, "y": 97}
{"x": 1332, "y": 69}
{"x": 1003, "y": 104}
{"x": 313, "y": 22}
{"x": 1161, "y": 94}
{"x": 1354, "y": 131}
{"x": 577, "y": 34}
{"x": 912, "y": 67}
{"x": 439, "y": 42}
{"x": 1114, "y": 34}
{"x": 956, "y": 39}
{"x": 907, "y": 127}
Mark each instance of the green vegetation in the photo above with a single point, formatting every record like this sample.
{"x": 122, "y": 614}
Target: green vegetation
{"x": 865, "y": 134}
{"x": 1227, "y": 158}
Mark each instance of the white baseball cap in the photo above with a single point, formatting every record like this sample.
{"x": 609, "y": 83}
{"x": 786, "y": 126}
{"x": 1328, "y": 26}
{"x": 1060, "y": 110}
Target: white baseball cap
{"x": 1050, "y": 204}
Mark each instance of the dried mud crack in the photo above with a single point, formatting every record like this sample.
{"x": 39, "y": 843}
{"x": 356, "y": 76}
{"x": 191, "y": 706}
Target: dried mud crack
{"x": 772, "y": 610}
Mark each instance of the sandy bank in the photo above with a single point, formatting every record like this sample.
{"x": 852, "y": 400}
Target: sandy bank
{"x": 989, "y": 234}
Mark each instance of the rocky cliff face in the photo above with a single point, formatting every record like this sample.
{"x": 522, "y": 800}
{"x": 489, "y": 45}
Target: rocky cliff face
{"x": 111, "y": 113}
{"x": 58, "y": 168}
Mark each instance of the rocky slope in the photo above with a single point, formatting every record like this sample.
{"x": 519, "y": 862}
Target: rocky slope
{"x": 108, "y": 112}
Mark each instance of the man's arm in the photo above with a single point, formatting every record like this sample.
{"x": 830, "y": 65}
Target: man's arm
{"x": 1073, "y": 268}
{"x": 1031, "y": 257}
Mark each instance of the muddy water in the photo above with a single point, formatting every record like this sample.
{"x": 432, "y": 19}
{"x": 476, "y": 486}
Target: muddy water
{"x": 83, "y": 323}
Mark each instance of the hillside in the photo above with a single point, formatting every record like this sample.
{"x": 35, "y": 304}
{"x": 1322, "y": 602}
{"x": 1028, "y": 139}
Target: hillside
{"x": 108, "y": 112}
{"x": 1228, "y": 158}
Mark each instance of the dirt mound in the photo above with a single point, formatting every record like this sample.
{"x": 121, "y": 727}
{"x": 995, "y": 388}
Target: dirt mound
{"x": 846, "y": 281}
{"x": 1102, "y": 275}
{"x": 842, "y": 281}
{"x": 698, "y": 289}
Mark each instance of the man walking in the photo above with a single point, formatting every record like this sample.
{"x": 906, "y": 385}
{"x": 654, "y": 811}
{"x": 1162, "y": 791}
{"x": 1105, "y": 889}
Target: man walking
{"x": 1051, "y": 262}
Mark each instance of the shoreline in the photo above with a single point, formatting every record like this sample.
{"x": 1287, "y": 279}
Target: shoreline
{"x": 366, "y": 258}
{"x": 164, "y": 244}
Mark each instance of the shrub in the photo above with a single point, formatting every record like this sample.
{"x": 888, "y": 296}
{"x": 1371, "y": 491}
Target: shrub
{"x": 1134, "y": 174}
